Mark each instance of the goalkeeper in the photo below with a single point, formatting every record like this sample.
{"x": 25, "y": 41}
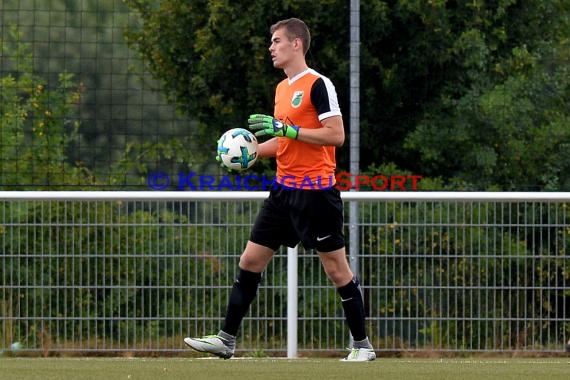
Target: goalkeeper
{"x": 306, "y": 128}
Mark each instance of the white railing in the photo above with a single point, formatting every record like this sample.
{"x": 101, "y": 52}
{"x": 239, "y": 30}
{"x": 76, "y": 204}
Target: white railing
{"x": 249, "y": 195}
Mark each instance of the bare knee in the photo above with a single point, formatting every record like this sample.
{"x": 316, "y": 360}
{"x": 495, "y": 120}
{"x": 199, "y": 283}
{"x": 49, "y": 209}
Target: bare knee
{"x": 255, "y": 257}
{"x": 340, "y": 277}
{"x": 336, "y": 267}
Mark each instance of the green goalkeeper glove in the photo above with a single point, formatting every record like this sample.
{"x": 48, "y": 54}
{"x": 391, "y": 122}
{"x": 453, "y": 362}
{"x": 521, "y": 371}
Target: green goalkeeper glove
{"x": 268, "y": 125}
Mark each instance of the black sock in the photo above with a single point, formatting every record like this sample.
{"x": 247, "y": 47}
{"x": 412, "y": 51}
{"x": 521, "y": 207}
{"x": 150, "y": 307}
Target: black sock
{"x": 243, "y": 293}
{"x": 353, "y": 306}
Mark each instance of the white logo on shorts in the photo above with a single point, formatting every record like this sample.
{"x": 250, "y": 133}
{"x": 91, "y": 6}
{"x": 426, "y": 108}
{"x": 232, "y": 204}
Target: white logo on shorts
{"x": 323, "y": 238}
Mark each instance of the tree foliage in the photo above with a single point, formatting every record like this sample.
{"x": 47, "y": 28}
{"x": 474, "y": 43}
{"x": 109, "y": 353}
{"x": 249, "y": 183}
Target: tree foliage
{"x": 213, "y": 62}
{"x": 127, "y": 128}
{"x": 457, "y": 90}
{"x": 502, "y": 123}
{"x": 38, "y": 125}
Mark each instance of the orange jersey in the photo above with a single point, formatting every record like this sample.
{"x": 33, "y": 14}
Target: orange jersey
{"x": 304, "y": 101}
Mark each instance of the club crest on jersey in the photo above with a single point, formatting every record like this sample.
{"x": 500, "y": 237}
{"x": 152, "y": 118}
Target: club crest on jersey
{"x": 297, "y": 99}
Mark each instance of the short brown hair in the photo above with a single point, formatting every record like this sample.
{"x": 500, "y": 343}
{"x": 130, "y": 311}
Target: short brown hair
{"x": 295, "y": 28}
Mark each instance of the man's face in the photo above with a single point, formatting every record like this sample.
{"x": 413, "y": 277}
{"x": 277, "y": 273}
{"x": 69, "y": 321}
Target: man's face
{"x": 281, "y": 49}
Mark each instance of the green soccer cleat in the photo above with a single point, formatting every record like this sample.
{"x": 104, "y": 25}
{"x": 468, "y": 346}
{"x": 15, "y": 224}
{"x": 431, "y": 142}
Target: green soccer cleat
{"x": 212, "y": 344}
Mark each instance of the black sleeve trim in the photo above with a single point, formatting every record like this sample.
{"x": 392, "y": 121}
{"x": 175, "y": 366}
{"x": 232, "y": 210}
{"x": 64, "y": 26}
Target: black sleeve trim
{"x": 320, "y": 97}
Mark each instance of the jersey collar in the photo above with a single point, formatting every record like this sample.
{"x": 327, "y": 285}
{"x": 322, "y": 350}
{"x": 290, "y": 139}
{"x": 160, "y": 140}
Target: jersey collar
{"x": 300, "y": 75}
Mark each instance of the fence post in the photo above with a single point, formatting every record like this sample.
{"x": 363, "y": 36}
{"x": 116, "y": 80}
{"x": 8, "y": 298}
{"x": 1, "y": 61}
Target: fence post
{"x": 354, "y": 132}
{"x": 292, "y": 301}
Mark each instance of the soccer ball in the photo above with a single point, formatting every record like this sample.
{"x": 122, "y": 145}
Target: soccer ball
{"x": 16, "y": 346}
{"x": 237, "y": 149}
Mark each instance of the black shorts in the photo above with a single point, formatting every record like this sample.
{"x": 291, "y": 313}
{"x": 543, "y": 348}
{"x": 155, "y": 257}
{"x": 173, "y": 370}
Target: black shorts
{"x": 289, "y": 216}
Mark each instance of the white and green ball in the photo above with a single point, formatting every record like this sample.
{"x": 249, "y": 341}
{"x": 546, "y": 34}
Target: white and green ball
{"x": 16, "y": 346}
{"x": 237, "y": 149}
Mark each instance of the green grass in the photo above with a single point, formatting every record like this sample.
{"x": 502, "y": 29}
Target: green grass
{"x": 277, "y": 369}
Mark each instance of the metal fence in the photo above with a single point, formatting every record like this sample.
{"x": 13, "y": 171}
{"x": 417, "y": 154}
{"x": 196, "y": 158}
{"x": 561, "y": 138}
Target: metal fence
{"x": 136, "y": 272}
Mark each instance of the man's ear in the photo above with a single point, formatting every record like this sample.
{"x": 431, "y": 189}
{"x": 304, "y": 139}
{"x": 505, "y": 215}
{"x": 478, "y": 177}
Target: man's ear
{"x": 297, "y": 43}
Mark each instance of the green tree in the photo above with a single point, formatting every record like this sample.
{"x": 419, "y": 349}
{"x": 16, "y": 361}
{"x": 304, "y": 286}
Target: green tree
{"x": 38, "y": 125}
{"x": 504, "y": 124}
{"x": 422, "y": 64}
{"x": 127, "y": 128}
{"x": 213, "y": 62}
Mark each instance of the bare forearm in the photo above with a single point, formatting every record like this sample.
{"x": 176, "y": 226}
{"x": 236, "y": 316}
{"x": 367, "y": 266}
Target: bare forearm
{"x": 268, "y": 148}
{"x": 331, "y": 133}
{"x": 321, "y": 136}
